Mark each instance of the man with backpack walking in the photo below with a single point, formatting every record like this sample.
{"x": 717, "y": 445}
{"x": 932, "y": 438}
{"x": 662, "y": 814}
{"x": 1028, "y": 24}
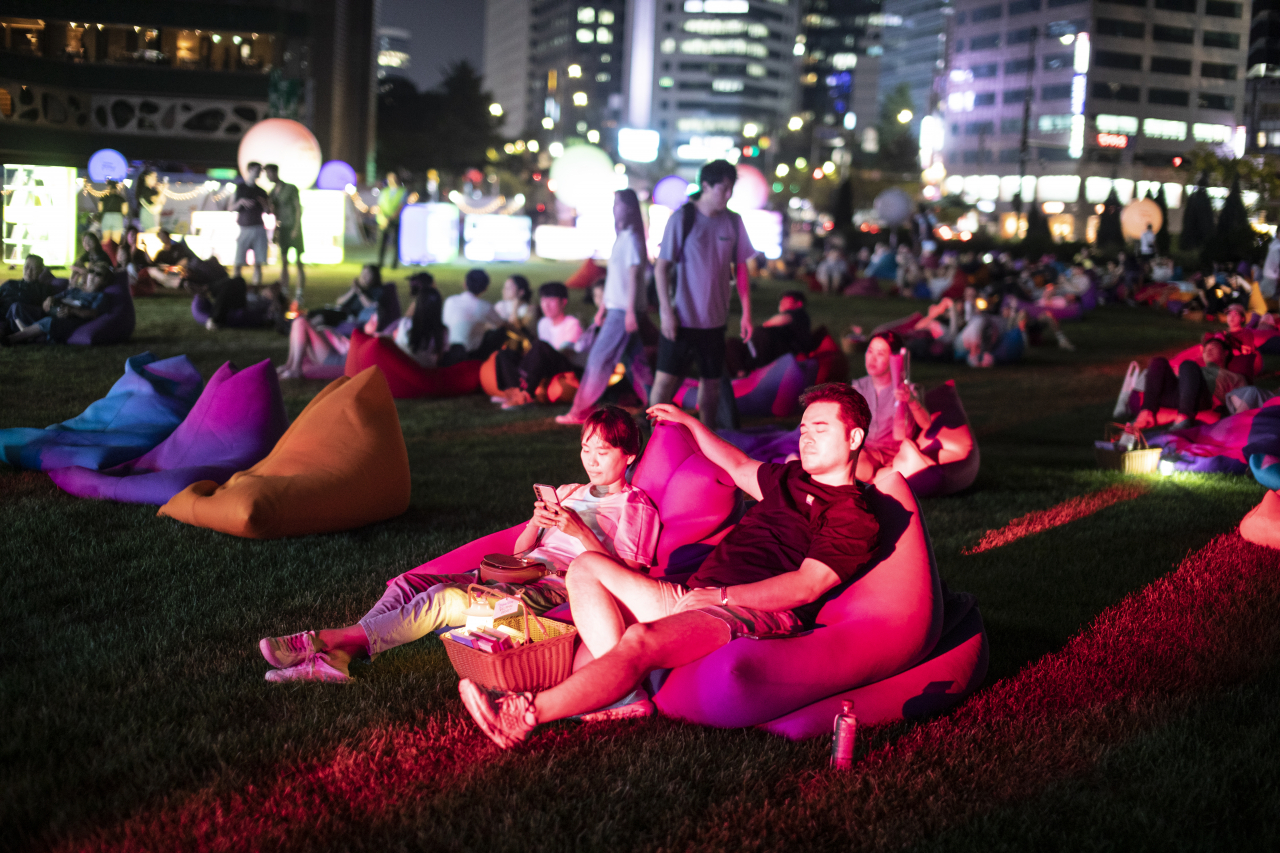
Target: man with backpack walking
{"x": 704, "y": 254}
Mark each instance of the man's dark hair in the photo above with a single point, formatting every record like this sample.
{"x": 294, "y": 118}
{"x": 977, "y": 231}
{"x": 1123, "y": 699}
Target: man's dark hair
{"x": 713, "y": 173}
{"x": 555, "y": 289}
{"x": 797, "y": 295}
{"x": 616, "y": 428}
{"x": 891, "y": 338}
{"x": 271, "y": 166}
{"x": 253, "y": 164}
{"x": 854, "y": 411}
{"x": 477, "y": 281}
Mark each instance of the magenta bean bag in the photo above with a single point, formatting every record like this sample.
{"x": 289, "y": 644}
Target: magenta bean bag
{"x": 142, "y": 408}
{"x": 1261, "y": 525}
{"x": 235, "y": 423}
{"x": 695, "y": 500}
{"x": 116, "y": 322}
{"x": 886, "y": 622}
{"x": 954, "y": 669}
{"x": 1247, "y": 365}
{"x": 769, "y": 391}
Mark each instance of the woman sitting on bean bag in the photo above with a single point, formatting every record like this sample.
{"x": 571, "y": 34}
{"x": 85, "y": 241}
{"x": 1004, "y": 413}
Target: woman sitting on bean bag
{"x": 93, "y": 254}
{"x": 608, "y": 515}
{"x": 317, "y": 349}
{"x": 422, "y": 334}
{"x": 67, "y": 311}
{"x": 884, "y": 436}
{"x": 357, "y": 305}
{"x": 1192, "y": 388}
{"x": 516, "y": 305}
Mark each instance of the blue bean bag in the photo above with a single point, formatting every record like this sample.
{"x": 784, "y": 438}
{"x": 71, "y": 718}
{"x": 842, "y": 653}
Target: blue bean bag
{"x": 140, "y": 410}
{"x": 115, "y": 324}
{"x": 235, "y": 423}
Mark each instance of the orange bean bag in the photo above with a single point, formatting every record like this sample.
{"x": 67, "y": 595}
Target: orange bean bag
{"x": 943, "y": 459}
{"x": 341, "y": 464}
{"x": 405, "y": 377}
{"x": 1262, "y": 525}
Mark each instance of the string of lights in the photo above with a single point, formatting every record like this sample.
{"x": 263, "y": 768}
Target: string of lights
{"x": 493, "y": 206}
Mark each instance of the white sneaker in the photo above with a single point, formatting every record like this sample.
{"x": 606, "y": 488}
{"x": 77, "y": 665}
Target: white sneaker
{"x": 314, "y": 668}
{"x": 288, "y": 651}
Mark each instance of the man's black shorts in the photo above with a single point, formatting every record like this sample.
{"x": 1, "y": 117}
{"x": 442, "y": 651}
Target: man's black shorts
{"x": 706, "y": 346}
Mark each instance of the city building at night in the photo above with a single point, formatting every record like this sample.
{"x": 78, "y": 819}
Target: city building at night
{"x": 1262, "y": 81}
{"x": 181, "y": 83}
{"x": 840, "y": 70}
{"x": 913, "y": 50}
{"x": 1112, "y": 93}
{"x": 393, "y": 51}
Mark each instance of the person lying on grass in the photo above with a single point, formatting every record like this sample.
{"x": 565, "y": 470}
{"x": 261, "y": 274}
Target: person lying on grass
{"x": 606, "y": 516}
{"x": 1192, "y": 388}
{"x": 810, "y": 532}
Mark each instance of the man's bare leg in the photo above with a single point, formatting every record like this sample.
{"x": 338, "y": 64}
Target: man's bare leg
{"x": 708, "y": 402}
{"x": 607, "y": 597}
{"x": 257, "y": 275}
{"x": 664, "y": 387}
{"x": 670, "y": 642}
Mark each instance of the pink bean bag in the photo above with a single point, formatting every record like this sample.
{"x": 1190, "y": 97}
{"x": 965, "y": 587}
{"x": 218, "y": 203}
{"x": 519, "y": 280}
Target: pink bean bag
{"x": 406, "y": 377}
{"x": 237, "y": 420}
{"x": 886, "y": 622}
{"x": 769, "y": 391}
{"x": 1247, "y": 365}
{"x": 695, "y": 500}
{"x": 944, "y": 459}
{"x": 1262, "y": 525}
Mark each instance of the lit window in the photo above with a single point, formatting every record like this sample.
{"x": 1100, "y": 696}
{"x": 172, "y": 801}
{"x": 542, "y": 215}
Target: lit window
{"x": 844, "y": 61}
{"x": 603, "y": 77}
{"x": 586, "y": 36}
{"x": 586, "y": 15}
{"x": 668, "y": 46}
{"x": 666, "y": 82}
{"x": 605, "y": 16}
{"x": 798, "y": 50}
{"x": 575, "y": 70}
{"x": 605, "y": 58}
{"x": 732, "y": 47}
{"x": 534, "y": 146}
{"x": 579, "y": 99}
{"x": 1219, "y": 133}
{"x": 548, "y": 123}
{"x": 718, "y": 7}
{"x": 727, "y": 85}
{"x": 604, "y": 35}
{"x": 755, "y": 69}
{"x": 581, "y": 126}
{"x": 1128, "y": 125}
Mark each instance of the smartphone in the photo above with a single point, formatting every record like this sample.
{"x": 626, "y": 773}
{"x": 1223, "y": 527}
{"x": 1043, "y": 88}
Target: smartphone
{"x": 546, "y": 494}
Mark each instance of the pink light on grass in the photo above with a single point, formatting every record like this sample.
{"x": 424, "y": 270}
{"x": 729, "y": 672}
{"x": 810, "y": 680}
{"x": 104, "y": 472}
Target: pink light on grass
{"x": 1064, "y": 513}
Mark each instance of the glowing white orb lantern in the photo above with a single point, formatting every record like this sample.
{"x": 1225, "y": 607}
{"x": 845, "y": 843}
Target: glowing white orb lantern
{"x": 336, "y": 175}
{"x": 108, "y": 164}
{"x": 286, "y": 143}
{"x": 750, "y": 191}
{"x": 1137, "y": 214}
{"x": 893, "y": 206}
{"x": 583, "y": 177}
{"x": 671, "y": 191}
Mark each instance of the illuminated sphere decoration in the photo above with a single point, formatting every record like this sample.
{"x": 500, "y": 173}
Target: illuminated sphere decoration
{"x": 335, "y": 175}
{"x": 1136, "y": 215}
{"x": 583, "y": 177}
{"x": 108, "y": 164}
{"x": 288, "y": 144}
{"x": 751, "y": 191}
{"x": 670, "y": 192}
{"x": 893, "y": 206}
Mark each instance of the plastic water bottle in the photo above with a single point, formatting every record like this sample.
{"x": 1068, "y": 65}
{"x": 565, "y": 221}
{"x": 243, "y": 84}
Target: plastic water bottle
{"x": 844, "y": 732}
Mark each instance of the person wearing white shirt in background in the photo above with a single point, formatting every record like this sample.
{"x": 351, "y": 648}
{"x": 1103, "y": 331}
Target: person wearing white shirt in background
{"x": 1271, "y": 267}
{"x": 468, "y": 316}
{"x": 519, "y": 377}
{"x": 618, "y": 339}
{"x": 1147, "y": 244}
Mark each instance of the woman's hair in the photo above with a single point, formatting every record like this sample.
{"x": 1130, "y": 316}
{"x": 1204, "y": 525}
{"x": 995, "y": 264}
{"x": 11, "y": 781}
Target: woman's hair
{"x": 32, "y": 267}
{"x": 854, "y": 411}
{"x": 428, "y": 330}
{"x": 615, "y": 428}
{"x": 524, "y": 290}
{"x": 632, "y": 221}
{"x": 375, "y": 278}
{"x": 890, "y": 338}
{"x": 95, "y": 239}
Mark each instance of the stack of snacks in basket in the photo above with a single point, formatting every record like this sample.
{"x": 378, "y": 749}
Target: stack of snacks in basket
{"x": 1125, "y": 449}
{"x": 519, "y": 652}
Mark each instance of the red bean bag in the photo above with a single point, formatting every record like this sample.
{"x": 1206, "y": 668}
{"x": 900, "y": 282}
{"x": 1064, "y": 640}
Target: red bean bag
{"x": 769, "y": 391}
{"x": 405, "y": 377}
{"x": 944, "y": 459}
{"x": 586, "y": 275}
{"x": 1262, "y": 525}
{"x": 695, "y": 500}
{"x": 831, "y": 361}
{"x": 341, "y": 464}
{"x": 888, "y": 621}
{"x": 1248, "y": 365}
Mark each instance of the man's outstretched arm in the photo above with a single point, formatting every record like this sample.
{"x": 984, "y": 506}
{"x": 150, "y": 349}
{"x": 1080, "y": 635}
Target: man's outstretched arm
{"x": 741, "y": 468}
{"x": 781, "y": 592}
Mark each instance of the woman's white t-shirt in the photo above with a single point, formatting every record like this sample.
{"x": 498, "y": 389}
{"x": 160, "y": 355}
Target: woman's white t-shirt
{"x": 626, "y": 523}
{"x": 628, "y": 252}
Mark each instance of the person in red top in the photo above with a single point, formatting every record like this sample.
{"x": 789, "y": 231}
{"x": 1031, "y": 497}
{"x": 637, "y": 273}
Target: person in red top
{"x": 810, "y": 532}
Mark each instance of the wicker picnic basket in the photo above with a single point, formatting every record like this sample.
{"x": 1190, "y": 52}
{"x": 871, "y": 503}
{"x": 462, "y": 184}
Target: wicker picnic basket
{"x": 1142, "y": 459}
{"x": 544, "y": 660}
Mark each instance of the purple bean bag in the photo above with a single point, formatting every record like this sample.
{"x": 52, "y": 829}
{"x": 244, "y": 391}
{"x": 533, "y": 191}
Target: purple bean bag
{"x": 890, "y": 620}
{"x": 235, "y": 423}
{"x": 769, "y": 391}
{"x": 142, "y": 408}
{"x": 253, "y": 315}
{"x": 115, "y": 324}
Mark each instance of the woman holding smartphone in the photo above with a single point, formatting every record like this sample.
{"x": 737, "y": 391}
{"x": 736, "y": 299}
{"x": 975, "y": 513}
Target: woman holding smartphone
{"x": 606, "y": 514}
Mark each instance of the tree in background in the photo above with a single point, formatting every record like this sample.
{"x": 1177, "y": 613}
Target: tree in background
{"x": 1039, "y": 239}
{"x": 1234, "y": 239}
{"x": 899, "y": 145}
{"x": 448, "y": 129}
{"x": 1163, "y": 237}
{"x": 1197, "y": 219}
{"x": 1110, "y": 234}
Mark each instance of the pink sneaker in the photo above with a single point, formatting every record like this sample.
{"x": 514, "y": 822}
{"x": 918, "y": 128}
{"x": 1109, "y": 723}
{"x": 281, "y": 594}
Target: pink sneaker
{"x": 507, "y": 719}
{"x": 314, "y": 668}
{"x": 282, "y": 652}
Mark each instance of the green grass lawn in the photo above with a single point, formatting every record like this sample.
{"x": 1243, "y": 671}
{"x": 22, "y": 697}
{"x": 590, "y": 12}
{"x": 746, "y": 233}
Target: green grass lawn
{"x": 137, "y": 715}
